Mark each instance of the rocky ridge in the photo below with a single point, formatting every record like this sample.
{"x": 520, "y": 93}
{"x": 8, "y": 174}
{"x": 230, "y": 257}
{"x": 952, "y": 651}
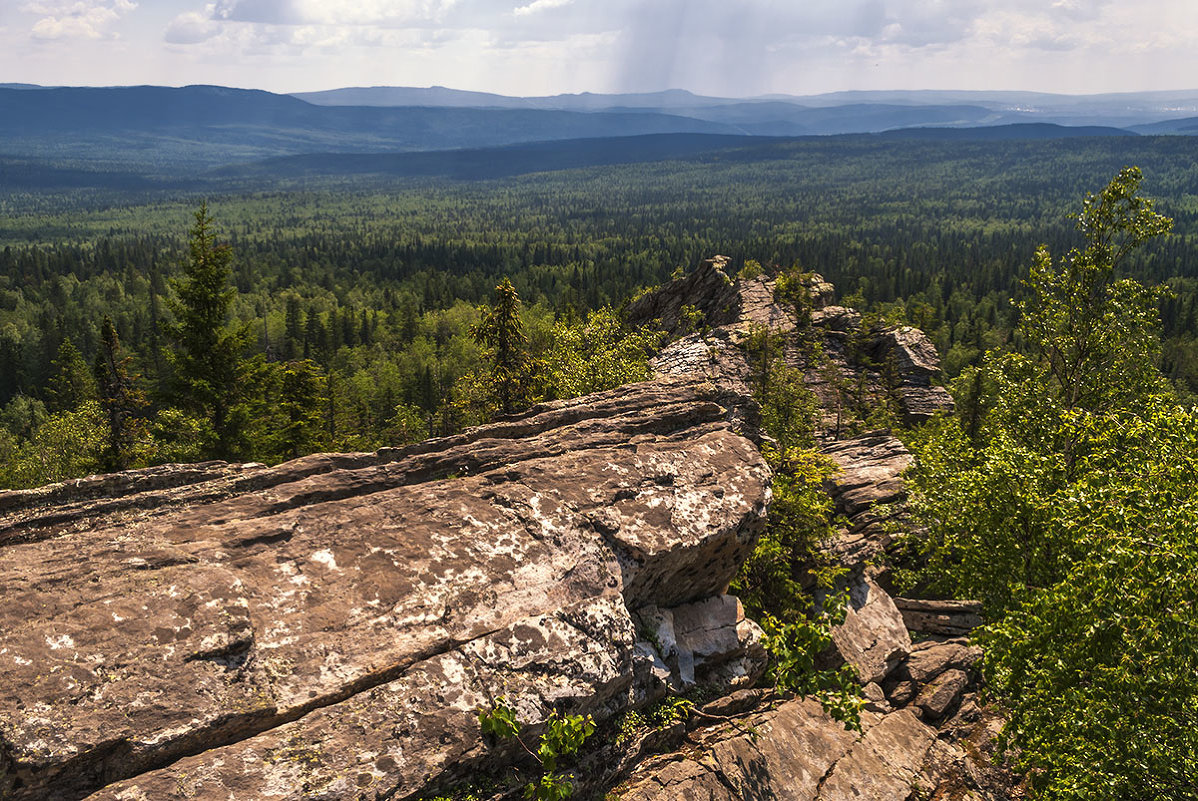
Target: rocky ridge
{"x": 328, "y": 628}
{"x": 924, "y": 733}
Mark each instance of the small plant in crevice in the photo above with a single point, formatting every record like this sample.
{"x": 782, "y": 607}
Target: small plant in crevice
{"x": 631, "y": 722}
{"x": 563, "y": 736}
{"x": 671, "y": 711}
{"x": 692, "y": 320}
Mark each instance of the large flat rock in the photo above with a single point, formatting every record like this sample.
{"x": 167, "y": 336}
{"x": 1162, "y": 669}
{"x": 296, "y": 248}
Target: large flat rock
{"x": 252, "y": 615}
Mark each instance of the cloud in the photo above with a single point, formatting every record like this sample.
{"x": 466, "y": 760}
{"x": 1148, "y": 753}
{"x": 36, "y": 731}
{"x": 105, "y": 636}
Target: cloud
{"x": 538, "y": 6}
{"x": 333, "y": 12}
{"x": 75, "y": 19}
{"x": 191, "y": 28}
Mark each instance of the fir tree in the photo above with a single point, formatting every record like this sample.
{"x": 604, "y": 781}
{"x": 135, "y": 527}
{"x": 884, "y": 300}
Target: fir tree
{"x": 501, "y": 334}
{"x": 302, "y": 401}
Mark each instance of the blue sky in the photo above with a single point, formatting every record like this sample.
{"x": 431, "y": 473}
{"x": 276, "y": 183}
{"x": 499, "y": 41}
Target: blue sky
{"x": 526, "y": 47}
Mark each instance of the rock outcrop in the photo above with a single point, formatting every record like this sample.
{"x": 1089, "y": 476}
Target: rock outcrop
{"x": 923, "y": 731}
{"x": 333, "y": 624}
{"x": 330, "y": 627}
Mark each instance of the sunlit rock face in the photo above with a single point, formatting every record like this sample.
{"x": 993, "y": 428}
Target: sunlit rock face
{"x": 336, "y": 622}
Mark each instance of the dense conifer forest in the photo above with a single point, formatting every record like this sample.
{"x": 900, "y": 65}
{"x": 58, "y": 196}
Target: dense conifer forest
{"x": 354, "y": 302}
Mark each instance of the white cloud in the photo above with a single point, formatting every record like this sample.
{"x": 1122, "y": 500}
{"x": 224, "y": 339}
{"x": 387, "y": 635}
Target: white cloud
{"x": 732, "y": 47}
{"x": 539, "y": 5}
{"x": 80, "y": 19}
{"x": 191, "y": 28}
{"x": 333, "y": 12}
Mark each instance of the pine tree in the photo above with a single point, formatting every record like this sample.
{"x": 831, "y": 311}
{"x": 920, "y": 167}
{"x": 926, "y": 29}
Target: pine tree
{"x": 210, "y": 371}
{"x": 293, "y": 326}
{"x": 120, "y": 399}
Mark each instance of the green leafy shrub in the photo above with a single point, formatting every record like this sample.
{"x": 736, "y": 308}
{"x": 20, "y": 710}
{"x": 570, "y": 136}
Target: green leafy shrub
{"x": 562, "y": 738}
{"x": 597, "y": 354}
{"x": 1066, "y": 499}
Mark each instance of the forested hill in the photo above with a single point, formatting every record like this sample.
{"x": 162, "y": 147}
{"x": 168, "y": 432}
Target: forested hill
{"x": 375, "y": 279}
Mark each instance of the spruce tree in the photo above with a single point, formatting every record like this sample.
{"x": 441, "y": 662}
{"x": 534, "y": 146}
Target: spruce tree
{"x": 210, "y": 371}
{"x": 303, "y": 397}
{"x": 71, "y": 382}
{"x": 501, "y": 334}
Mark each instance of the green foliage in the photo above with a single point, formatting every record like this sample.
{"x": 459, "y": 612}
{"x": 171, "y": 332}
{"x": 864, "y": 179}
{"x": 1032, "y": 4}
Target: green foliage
{"x": 630, "y": 723}
{"x": 792, "y": 287}
{"x": 670, "y": 710}
{"x": 208, "y": 362}
{"x": 176, "y": 436}
{"x": 795, "y": 646}
{"x": 66, "y": 445}
{"x": 1065, "y": 496}
{"x": 692, "y": 319}
{"x": 774, "y": 578}
{"x": 562, "y": 738}
{"x": 596, "y": 355}
{"x": 1097, "y": 336}
{"x": 777, "y": 581}
{"x": 71, "y": 382}
{"x": 1097, "y": 664}
{"x": 751, "y": 269}
{"x": 499, "y": 721}
{"x": 301, "y": 406}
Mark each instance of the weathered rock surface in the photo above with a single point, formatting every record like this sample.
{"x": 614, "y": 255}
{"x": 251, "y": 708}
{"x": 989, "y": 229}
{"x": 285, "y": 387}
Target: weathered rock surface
{"x": 868, "y": 491}
{"x": 721, "y": 299}
{"x": 706, "y": 642}
{"x": 326, "y": 608}
{"x": 797, "y": 753}
{"x": 872, "y": 637}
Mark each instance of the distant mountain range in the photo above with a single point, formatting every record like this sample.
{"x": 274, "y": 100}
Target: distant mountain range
{"x": 157, "y": 131}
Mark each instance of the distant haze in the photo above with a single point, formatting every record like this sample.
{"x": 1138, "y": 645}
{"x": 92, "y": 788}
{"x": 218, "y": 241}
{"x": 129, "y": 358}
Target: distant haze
{"x": 728, "y": 48}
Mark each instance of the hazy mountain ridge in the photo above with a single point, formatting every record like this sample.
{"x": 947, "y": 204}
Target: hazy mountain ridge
{"x": 66, "y": 134}
{"x": 208, "y": 126}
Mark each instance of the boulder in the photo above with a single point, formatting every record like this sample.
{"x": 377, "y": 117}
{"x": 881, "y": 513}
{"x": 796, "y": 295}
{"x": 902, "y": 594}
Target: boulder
{"x": 942, "y": 693}
{"x": 930, "y": 658}
{"x": 920, "y": 404}
{"x": 706, "y": 638}
{"x": 914, "y": 356}
{"x": 794, "y": 753}
{"x": 872, "y": 637}
{"x": 708, "y": 289}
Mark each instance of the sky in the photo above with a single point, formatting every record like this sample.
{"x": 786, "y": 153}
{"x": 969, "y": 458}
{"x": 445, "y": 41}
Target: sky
{"x": 733, "y": 48}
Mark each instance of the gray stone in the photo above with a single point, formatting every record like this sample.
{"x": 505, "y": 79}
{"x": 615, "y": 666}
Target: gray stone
{"x": 224, "y": 620}
{"x": 929, "y": 659}
{"x": 940, "y": 695}
{"x": 872, "y": 637}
